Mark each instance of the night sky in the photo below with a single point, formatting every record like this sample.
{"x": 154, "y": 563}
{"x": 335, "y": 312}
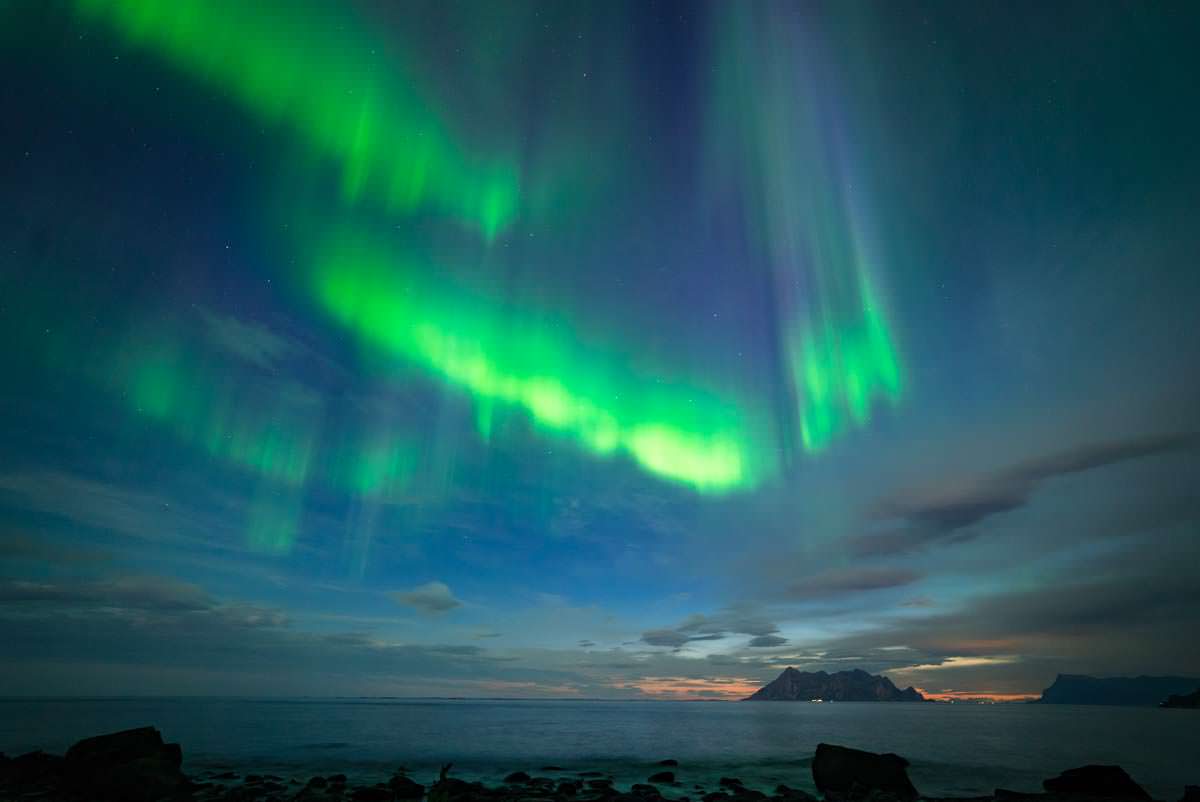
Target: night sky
{"x": 600, "y": 350}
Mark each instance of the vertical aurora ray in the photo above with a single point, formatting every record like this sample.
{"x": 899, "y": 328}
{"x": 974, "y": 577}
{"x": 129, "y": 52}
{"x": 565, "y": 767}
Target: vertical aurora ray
{"x": 776, "y": 113}
{"x": 273, "y": 435}
{"x": 275, "y": 439}
{"x": 312, "y": 68}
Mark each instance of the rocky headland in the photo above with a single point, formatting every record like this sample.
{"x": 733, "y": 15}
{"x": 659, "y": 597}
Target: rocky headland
{"x": 1081, "y": 689}
{"x": 840, "y": 686}
{"x": 1185, "y": 700}
{"x": 137, "y": 766}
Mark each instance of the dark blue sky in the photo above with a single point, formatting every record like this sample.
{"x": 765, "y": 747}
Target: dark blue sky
{"x": 605, "y": 350}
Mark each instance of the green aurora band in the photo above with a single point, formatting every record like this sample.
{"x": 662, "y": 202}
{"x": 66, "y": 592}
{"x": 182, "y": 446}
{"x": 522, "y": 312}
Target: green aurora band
{"x": 313, "y": 69}
{"x": 679, "y": 433}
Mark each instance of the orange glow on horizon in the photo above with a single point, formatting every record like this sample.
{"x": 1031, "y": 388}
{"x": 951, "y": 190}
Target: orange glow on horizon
{"x": 726, "y": 688}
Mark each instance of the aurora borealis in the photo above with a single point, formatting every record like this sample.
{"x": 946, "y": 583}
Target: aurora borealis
{"x": 690, "y": 340}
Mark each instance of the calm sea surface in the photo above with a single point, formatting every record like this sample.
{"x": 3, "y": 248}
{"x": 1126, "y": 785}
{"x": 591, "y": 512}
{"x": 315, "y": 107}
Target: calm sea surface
{"x": 954, "y": 749}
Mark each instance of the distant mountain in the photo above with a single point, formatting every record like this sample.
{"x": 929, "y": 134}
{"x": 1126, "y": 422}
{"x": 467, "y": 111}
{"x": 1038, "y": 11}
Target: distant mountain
{"x": 1183, "y": 700}
{"x": 1080, "y": 689}
{"x": 842, "y": 686}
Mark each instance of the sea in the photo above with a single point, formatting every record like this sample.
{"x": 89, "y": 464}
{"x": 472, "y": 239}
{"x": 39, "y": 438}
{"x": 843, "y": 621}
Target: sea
{"x": 954, "y": 749}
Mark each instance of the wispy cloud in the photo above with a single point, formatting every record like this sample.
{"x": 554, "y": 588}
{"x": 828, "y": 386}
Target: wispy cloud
{"x": 248, "y": 341}
{"x": 766, "y": 641}
{"x": 734, "y": 620}
{"x": 431, "y": 598}
{"x": 920, "y": 519}
{"x": 105, "y": 505}
{"x": 17, "y": 546}
{"x": 843, "y": 581}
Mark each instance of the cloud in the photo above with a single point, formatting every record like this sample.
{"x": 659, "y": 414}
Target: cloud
{"x": 104, "y": 505}
{"x": 14, "y": 546}
{"x": 430, "y": 598}
{"x": 250, "y": 342}
{"x": 766, "y": 641}
{"x": 736, "y": 619}
{"x": 156, "y": 635}
{"x": 843, "y": 581}
{"x": 1117, "y": 614}
{"x": 136, "y": 593}
{"x": 665, "y": 637}
{"x": 945, "y": 516}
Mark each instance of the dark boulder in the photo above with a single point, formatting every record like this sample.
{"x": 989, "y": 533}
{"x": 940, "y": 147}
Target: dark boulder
{"x": 374, "y": 794}
{"x": 596, "y": 795}
{"x": 516, "y": 778}
{"x": 245, "y": 793}
{"x": 602, "y": 788}
{"x": 1096, "y": 781}
{"x": 551, "y": 768}
{"x": 129, "y": 765}
{"x": 747, "y": 794}
{"x": 32, "y": 768}
{"x": 568, "y": 788}
{"x": 404, "y": 788}
{"x": 843, "y": 773}
{"x": 716, "y": 796}
{"x": 793, "y": 794}
{"x": 318, "y": 782}
{"x": 1191, "y": 793}
{"x": 456, "y": 787}
{"x": 730, "y": 782}
{"x": 641, "y": 789}
{"x": 662, "y": 777}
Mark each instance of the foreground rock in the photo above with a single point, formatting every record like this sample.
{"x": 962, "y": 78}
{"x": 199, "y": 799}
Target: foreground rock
{"x": 841, "y": 773}
{"x": 1103, "y": 782}
{"x": 128, "y": 766}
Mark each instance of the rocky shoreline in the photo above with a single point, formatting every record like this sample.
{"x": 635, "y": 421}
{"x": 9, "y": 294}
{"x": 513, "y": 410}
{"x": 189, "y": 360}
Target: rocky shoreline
{"x": 137, "y": 766}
